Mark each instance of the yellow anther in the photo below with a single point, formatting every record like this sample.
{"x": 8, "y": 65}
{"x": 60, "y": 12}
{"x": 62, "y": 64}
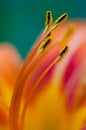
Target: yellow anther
{"x": 49, "y": 19}
{"x": 62, "y": 53}
{"x": 67, "y": 36}
{"x": 60, "y": 20}
{"x": 44, "y": 44}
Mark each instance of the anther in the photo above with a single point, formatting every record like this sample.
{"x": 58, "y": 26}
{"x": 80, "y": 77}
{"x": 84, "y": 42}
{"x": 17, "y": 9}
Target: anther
{"x": 62, "y": 53}
{"x": 48, "y": 34}
{"x": 61, "y": 19}
{"x": 67, "y": 36}
{"x": 49, "y": 18}
{"x": 45, "y": 43}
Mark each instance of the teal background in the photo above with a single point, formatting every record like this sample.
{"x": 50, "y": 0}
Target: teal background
{"x": 22, "y": 20}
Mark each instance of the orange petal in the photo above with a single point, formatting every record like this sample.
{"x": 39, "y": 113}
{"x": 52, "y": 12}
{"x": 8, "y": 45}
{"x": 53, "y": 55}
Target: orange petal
{"x": 10, "y": 63}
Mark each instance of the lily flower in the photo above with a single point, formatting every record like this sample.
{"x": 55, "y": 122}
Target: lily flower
{"x": 49, "y": 91}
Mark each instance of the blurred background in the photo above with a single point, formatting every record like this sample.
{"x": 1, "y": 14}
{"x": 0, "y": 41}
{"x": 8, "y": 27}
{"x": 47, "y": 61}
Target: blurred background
{"x": 21, "y": 21}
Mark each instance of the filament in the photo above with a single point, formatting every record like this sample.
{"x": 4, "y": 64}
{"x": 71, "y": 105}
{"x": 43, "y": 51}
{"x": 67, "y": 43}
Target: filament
{"x": 58, "y": 59}
{"x": 31, "y": 62}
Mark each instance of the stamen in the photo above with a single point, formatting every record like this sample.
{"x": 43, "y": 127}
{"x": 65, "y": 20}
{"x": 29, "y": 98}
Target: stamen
{"x": 60, "y": 20}
{"x": 67, "y": 35}
{"x": 49, "y": 18}
{"x": 62, "y": 53}
{"x": 49, "y": 29}
{"x": 29, "y": 67}
{"x": 48, "y": 34}
{"x": 58, "y": 59}
{"x": 44, "y": 45}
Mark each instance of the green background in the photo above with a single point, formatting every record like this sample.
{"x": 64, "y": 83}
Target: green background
{"x": 22, "y": 20}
